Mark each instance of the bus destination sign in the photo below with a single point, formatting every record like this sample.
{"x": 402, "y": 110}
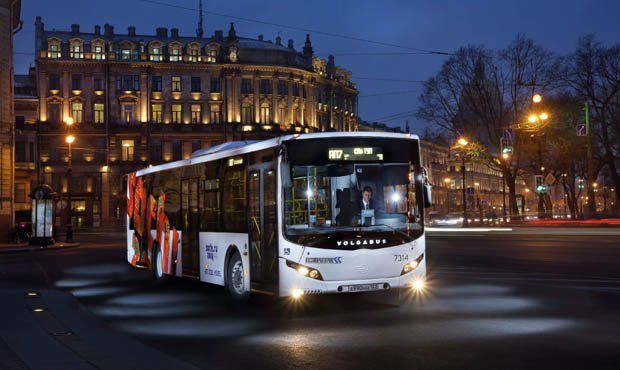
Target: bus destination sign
{"x": 355, "y": 154}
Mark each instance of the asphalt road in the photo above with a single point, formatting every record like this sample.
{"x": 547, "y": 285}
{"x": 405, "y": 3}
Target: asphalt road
{"x": 511, "y": 300}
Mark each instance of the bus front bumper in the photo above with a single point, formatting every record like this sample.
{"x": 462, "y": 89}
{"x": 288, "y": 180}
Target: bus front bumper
{"x": 299, "y": 285}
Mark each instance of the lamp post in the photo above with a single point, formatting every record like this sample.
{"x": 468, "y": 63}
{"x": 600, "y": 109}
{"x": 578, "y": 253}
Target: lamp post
{"x": 462, "y": 142}
{"x": 539, "y": 120}
{"x": 447, "y": 182}
{"x": 506, "y": 157}
{"x": 69, "y": 235}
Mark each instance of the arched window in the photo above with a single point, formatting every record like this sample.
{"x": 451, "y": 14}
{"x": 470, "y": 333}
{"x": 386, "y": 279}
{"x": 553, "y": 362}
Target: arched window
{"x": 127, "y": 51}
{"x": 77, "y": 49}
{"x": 282, "y": 115}
{"x": 174, "y": 51}
{"x": 265, "y": 113}
{"x": 247, "y": 112}
{"x": 97, "y": 47}
{"x": 212, "y": 53}
{"x": 155, "y": 51}
{"x": 53, "y": 48}
{"x": 194, "y": 52}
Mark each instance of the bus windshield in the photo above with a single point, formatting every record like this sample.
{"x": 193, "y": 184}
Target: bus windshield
{"x": 351, "y": 205}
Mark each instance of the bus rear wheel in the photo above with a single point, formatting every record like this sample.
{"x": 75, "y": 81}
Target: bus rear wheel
{"x": 158, "y": 264}
{"x": 235, "y": 278}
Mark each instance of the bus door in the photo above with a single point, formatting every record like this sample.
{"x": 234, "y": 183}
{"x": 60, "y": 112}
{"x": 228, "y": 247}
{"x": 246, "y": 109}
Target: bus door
{"x": 190, "y": 220}
{"x": 262, "y": 223}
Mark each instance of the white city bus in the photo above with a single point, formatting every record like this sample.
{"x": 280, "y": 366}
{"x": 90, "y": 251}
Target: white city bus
{"x": 285, "y": 215}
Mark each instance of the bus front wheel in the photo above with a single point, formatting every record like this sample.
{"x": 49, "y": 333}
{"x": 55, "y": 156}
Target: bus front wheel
{"x": 235, "y": 278}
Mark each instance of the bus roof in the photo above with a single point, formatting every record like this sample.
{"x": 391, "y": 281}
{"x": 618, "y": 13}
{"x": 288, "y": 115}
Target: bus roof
{"x": 242, "y": 147}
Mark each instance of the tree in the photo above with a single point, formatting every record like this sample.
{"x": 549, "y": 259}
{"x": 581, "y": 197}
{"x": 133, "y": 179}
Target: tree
{"x": 480, "y": 93}
{"x": 592, "y": 73}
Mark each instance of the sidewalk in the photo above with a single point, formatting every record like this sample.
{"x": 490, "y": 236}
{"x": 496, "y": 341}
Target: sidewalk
{"x": 24, "y": 247}
{"x": 50, "y": 330}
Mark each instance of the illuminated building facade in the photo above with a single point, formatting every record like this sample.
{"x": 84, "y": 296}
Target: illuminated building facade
{"x": 137, "y": 100}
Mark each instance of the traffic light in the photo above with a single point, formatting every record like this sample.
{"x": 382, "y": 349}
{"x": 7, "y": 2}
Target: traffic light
{"x": 541, "y": 187}
{"x": 581, "y": 184}
{"x": 506, "y": 146}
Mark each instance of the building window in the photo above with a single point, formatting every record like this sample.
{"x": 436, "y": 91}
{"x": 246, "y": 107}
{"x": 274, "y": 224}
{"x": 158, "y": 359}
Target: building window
{"x": 127, "y": 113}
{"x": 295, "y": 115}
{"x": 98, "y": 84}
{"x": 156, "y": 113}
{"x": 176, "y": 84}
{"x": 246, "y": 113}
{"x": 212, "y": 58}
{"x": 265, "y": 87}
{"x": 20, "y": 193}
{"x": 76, "y": 82}
{"x": 196, "y": 113}
{"x": 175, "y": 53}
{"x": 216, "y": 114}
{"x": 128, "y": 82}
{"x": 127, "y": 150}
{"x": 76, "y": 112}
{"x": 53, "y": 110}
{"x": 98, "y": 53}
{"x": 282, "y": 115}
{"x": 186, "y": 147}
{"x": 282, "y": 87}
{"x": 215, "y": 85}
{"x": 20, "y": 151}
{"x": 246, "y": 86}
{"x": 295, "y": 90}
{"x": 155, "y": 147}
{"x": 265, "y": 114}
{"x": 53, "y": 51}
{"x": 156, "y": 54}
{"x": 177, "y": 110}
{"x": 76, "y": 51}
{"x": 156, "y": 83}
{"x": 99, "y": 113}
{"x": 194, "y": 53}
{"x": 54, "y": 82}
{"x": 195, "y": 84}
{"x": 167, "y": 151}
{"x": 128, "y": 54}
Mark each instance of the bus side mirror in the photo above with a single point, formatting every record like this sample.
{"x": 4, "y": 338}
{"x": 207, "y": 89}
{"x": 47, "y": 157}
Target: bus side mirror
{"x": 428, "y": 197}
{"x": 427, "y": 193}
{"x": 285, "y": 175}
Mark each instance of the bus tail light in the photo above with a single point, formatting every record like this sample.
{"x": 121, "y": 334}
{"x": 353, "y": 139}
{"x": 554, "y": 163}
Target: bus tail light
{"x": 412, "y": 265}
{"x": 305, "y": 270}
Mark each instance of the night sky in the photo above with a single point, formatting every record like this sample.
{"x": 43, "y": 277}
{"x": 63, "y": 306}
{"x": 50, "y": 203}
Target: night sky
{"x": 431, "y": 25}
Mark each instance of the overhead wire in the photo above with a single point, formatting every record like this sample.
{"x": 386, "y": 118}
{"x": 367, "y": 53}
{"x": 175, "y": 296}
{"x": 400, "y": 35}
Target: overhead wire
{"x": 330, "y": 34}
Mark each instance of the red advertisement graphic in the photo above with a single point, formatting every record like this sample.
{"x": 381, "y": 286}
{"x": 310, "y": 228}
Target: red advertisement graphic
{"x": 175, "y": 250}
{"x": 131, "y": 184}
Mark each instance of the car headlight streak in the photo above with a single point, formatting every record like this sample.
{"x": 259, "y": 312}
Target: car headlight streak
{"x": 412, "y": 265}
{"x": 305, "y": 270}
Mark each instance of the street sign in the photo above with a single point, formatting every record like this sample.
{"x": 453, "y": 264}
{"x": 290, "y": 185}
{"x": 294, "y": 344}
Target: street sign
{"x": 581, "y": 129}
{"x": 550, "y": 179}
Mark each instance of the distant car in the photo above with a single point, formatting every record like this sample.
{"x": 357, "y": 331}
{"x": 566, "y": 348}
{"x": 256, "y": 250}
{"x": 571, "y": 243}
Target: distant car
{"x": 453, "y": 219}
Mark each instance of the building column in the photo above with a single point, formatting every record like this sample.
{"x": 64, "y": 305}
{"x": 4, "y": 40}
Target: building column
{"x": 43, "y": 77}
{"x": 144, "y": 98}
{"x": 289, "y": 101}
{"x": 256, "y": 97}
{"x": 66, "y": 86}
{"x": 310, "y": 99}
{"x": 274, "y": 100}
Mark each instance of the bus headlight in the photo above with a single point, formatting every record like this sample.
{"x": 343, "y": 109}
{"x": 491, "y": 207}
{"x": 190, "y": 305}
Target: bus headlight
{"x": 305, "y": 270}
{"x": 412, "y": 265}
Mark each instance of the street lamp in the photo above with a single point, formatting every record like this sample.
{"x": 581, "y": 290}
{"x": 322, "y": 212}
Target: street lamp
{"x": 463, "y": 143}
{"x": 69, "y": 235}
{"x": 536, "y": 98}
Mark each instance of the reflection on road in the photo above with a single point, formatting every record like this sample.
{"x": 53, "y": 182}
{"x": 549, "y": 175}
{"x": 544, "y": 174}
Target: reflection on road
{"x": 450, "y": 312}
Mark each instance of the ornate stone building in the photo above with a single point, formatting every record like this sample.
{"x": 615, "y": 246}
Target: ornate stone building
{"x": 137, "y": 100}
{"x": 9, "y": 23}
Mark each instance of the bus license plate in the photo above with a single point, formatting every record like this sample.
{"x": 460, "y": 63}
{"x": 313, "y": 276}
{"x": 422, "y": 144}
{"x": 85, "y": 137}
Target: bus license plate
{"x": 361, "y": 288}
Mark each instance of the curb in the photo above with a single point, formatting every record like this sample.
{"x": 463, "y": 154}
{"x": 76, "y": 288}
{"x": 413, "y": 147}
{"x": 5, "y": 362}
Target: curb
{"x": 17, "y": 248}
